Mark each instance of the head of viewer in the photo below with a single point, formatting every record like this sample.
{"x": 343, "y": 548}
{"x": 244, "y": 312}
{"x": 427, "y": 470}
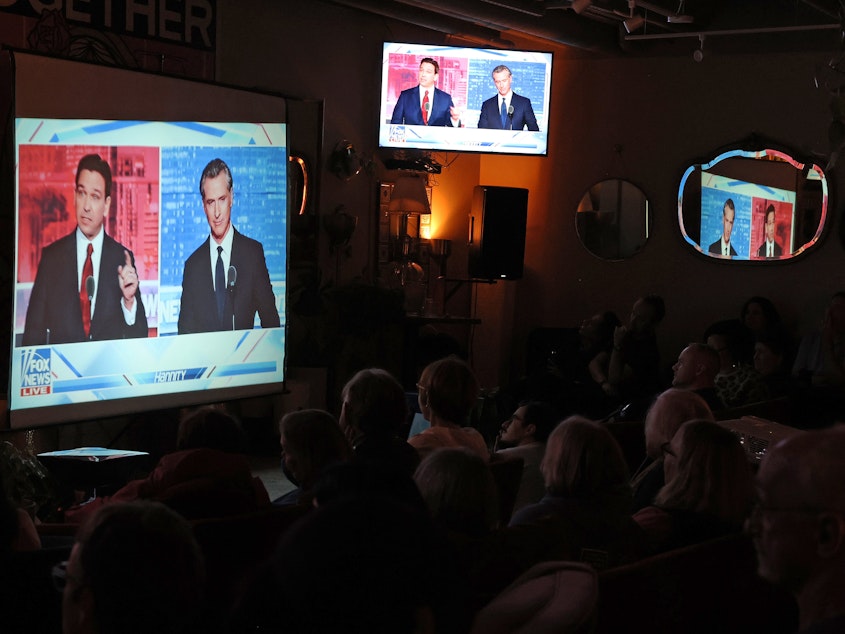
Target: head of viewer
{"x": 531, "y": 422}
{"x": 92, "y": 196}
{"x": 502, "y": 78}
{"x": 374, "y": 403}
{"x": 429, "y": 71}
{"x": 135, "y": 568}
{"x": 448, "y": 390}
{"x": 646, "y": 313}
{"x": 798, "y": 523}
{"x": 670, "y": 410}
{"x": 696, "y": 367}
{"x": 217, "y": 196}
{"x": 728, "y": 215}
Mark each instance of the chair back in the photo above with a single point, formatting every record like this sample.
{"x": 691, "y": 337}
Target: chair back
{"x": 704, "y": 588}
{"x": 553, "y": 597}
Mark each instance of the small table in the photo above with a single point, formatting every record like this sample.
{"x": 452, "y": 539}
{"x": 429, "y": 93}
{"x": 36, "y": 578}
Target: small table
{"x": 92, "y": 467}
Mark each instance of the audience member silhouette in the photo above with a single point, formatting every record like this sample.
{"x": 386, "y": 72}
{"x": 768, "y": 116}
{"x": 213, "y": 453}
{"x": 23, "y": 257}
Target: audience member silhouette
{"x": 708, "y": 488}
{"x": 17, "y": 529}
{"x": 737, "y": 382}
{"x": 760, "y": 316}
{"x": 207, "y": 476}
{"x": 359, "y": 565}
{"x": 696, "y": 370}
{"x": 771, "y": 361}
{"x": 670, "y": 410}
{"x": 523, "y": 435}
{"x": 798, "y": 525}
{"x": 135, "y": 569}
{"x": 448, "y": 391}
{"x": 373, "y": 415}
{"x": 821, "y": 354}
{"x": 633, "y": 373}
{"x": 311, "y": 441}
{"x": 587, "y": 507}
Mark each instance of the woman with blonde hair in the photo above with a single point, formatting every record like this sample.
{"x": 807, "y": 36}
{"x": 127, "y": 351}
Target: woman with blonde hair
{"x": 708, "y": 490}
{"x": 588, "y": 496}
{"x": 448, "y": 391}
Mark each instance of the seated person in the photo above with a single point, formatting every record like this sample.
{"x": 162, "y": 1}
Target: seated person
{"x": 708, "y": 490}
{"x": 586, "y": 509}
{"x": 372, "y": 416}
{"x": 17, "y": 529}
{"x": 760, "y": 316}
{"x": 311, "y": 441}
{"x": 207, "y": 476}
{"x": 135, "y": 568}
{"x": 448, "y": 391}
{"x": 359, "y": 565}
{"x": 737, "y": 382}
{"x": 696, "y": 370}
{"x": 523, "y": 435}
{"x": 797, "y": 525}
{"x": 669, "y": 411}
{"x": 633, "y": 371}
{"x": 459, "y": 491}
{"x": 770, "y": 360}
{"x": 821, "y": 355}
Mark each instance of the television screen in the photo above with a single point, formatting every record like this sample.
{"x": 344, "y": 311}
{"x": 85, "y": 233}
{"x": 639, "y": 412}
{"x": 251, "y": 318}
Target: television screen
{"x": 160, "y": 314}
{"x": 448, "y": 98}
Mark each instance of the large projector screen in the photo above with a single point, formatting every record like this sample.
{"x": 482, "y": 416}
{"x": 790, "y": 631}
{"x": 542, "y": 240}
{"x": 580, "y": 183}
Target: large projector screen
{"x": 155, "y": 173}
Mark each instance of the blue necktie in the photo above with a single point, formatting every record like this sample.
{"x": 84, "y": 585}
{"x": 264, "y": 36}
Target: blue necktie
{"x": 504, "y": 116}
{"x": 220, "y": 284}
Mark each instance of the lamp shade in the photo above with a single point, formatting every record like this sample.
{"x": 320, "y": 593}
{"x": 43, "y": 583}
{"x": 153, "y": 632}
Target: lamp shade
{"x": 409, "y": 196}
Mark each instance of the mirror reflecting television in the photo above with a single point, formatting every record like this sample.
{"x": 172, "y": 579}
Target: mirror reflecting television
{"x": 463, "y": 113}
{"x": 753, "y": 204}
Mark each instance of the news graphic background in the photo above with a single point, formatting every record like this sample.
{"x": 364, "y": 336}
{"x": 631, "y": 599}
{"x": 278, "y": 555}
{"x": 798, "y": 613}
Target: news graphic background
{"x": 157, "y": 211}
{"x": 259, "y": 211}
{"x": 748, "y": 199}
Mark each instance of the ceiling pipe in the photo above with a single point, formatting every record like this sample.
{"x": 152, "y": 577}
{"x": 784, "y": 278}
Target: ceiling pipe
{"x": 561, "y": 27}
{"x": 728, "y": 32}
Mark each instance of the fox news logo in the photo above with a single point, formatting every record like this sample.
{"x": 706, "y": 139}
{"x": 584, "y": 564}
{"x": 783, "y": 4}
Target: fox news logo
{"x": 36, "y": 377}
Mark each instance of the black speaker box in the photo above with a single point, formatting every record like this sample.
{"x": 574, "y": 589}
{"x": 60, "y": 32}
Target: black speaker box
{"x": 497, "y": 232}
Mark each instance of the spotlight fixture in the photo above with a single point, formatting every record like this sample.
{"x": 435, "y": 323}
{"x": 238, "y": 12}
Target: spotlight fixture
{"x": 579, "y": 6}
{"x": 698, "y": 54}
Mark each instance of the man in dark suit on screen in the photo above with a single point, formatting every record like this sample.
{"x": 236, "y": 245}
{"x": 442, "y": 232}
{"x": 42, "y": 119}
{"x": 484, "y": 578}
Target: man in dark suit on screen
{"x": 86, "y": 287}
{"x": 769, "y": 248}
{"x": 723, "y": 245}
{"x": 425, "y": 104}
{"x": 225, "y": 281}
{"x": 507, "y": 110}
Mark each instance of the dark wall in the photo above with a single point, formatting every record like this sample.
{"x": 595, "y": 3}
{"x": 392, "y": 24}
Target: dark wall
{"x": 662, "y": 112}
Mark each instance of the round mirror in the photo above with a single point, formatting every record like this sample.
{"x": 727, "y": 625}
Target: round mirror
{"x": 761, "y": 205}
{"x": 613, "y": 219}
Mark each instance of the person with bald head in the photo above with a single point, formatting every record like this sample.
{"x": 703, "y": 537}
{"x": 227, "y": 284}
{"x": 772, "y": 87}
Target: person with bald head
{"x": 696, "y": 370}
{"x": 668, "y": 412}
{"x": 798, "y": 525}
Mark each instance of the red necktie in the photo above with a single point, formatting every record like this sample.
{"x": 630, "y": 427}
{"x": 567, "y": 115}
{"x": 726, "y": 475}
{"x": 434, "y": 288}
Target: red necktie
{"x": 84, "y": 300}
{"x": 424, "y": 109}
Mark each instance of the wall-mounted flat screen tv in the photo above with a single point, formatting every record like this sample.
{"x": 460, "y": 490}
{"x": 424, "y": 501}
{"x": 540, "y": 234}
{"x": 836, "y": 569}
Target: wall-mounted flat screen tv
{"x": 180, "y": 298}
{"x": 459, "y": 99}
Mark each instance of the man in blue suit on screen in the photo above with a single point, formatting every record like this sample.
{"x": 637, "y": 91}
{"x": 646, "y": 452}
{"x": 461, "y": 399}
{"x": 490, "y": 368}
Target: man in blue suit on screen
{"x": 425, "y": 104}
{"x": 507, "y": 110}
{"x": 225, "y": 280}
